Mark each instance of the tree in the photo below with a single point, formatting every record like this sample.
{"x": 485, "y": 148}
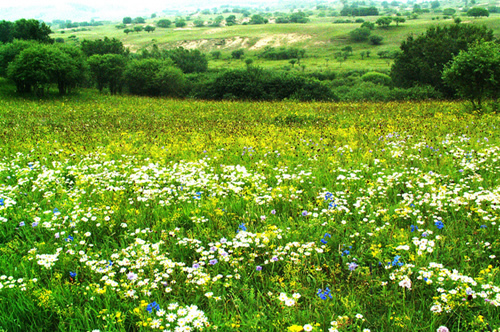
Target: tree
{"x": 257, "y": 19}
{"x": 199, "y": 23}
{"x": 384, "y": 22}
{"x": 108, "y": 70}
{"x": 163, "y": 23}
{"x": 376, "y": 40}
{"x": 154, "y": 77}
{"x": 103, "y": 46}
{"x": 231, "y": 20}
{"x": 399, "y": 20}
{"x": 32, "y": 30}
{"x": 149, "y": 29}
{"x": 215, "y": 54}
{"x": 359, "y": 34}
{"x": 127, "y": 31}
{"x": 6, "y": 32}
{"x": 40, "y": 65}
{"x": 369, "y": 25}
{"x": 449, "y": 12}
{"x": 180, "y": 23}
{"x": 8, "y": 52}
{"x": 422, "y": 58}
{"x": 435, "y": 4}
{"x": 475, "y": 73}
{"x": 237, "y": 54}
{"x": 189, "y": 61}
{"x": 478, "y": 12}
{"x": 127, "y": 20}
{"x": 139, "y": 20}
{"x": 138, "y": 29}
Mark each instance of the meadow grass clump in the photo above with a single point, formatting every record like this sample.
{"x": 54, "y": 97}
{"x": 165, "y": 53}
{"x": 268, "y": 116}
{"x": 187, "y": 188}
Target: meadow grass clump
{"x": 122, "y": 213}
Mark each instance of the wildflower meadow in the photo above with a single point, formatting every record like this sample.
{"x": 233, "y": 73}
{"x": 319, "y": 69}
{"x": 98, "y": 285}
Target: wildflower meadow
{"x": 122, "y": 213}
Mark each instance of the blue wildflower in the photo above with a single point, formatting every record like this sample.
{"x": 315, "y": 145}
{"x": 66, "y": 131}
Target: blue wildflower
{"x": 414, "y": 228}
{"x": 324, "y": 294}
{"x": 353, "y": 266}
{"x": 152, "y": 306}
{"x": 439, "y": 224}
{"x": 69, "y": 238}
{"x": 2, "y": 202}
{"x": 72, "y": 274}
{"x": 324, "y": 241}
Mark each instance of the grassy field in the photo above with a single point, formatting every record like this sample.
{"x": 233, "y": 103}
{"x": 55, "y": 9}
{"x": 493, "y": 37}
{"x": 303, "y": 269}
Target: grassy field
{"x": 135, "y": 214}
{"x": 321, "y": 38}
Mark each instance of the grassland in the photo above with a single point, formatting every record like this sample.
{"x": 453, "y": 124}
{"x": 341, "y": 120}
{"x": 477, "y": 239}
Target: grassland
{"x": 321, "y": 38}
{"x": 135, "y": 214}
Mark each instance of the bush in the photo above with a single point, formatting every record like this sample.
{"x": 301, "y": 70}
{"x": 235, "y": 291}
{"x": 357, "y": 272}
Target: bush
{"x": 376, "y": 40}
{"x": 377, "y": 78}
{"x": 154, "y": 77}
{"x": 359, "y": 34}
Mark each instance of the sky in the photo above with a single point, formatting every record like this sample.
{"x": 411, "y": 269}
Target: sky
{"x": 75, "y": 10}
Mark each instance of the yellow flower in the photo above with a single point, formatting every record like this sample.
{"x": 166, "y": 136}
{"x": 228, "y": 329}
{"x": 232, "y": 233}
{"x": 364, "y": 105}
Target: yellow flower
{"x": 295, "y": 328}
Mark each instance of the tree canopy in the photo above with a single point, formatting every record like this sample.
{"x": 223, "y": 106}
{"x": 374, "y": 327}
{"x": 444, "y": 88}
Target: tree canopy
{"x": 422, "y": 58}
{"x": 475, "y": 73}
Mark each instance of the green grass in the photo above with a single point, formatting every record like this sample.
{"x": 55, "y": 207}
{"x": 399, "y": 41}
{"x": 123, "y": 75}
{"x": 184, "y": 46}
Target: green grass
{"x": 288, "y": 198}
{"x": 321, "y": 38}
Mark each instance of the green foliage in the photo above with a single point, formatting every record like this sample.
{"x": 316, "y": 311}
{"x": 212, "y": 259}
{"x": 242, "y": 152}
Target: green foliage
{"x": 38, "y": 66}
{"x": 449, "y": 11}
{"x": 103, "y": 46}
{"x": 384, "y": 22}
{"x": 359, "y": 11}
{"x": 180, "y": 23}
{"x": 376, "y": 40}
{"x": 127, "y": 20}
{"x": 475, "y": 73}
{"x": 282, "y": 53}
{"x": 258, "y": 84}
{"x": 199, "y": 23}
{"x": 8, "y": 52}
{"x": 478, "y": 12}
{"x": 6, "y": 31}
{"x": 163, "y": 23}
{"x": 108, "y": 70}
{"x": 360, "y": 34}
{"x": 189, "y": 61}
{"x": 149, "y": 29}
{"x": 231, "y": 20}
{"x": 237, "y": 54}
{"x": 377, "y": 78}
{"x": 423, "y": 57}
{"x": 258, "y": 19}
{"x": 139, "y": 20}
{"x": 369, "y": 25}
{"x": 399, "y": 20}
{"x": 215, "y": 54}
{"x": 138, "y": 29}
{"x": 154, "y": 77}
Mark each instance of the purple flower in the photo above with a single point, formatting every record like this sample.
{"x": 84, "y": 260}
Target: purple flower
{"x": 273, "y": 212}
{"x": 259, "y": 268}
{"x": 212, "y": 261}
{"x": 353, "y": 266}
{"x": 34, "y": 224}
{"x": 21, "y": 223}
{"x": 304, "y": 213}
{"x": 196, "y": 265}
{"x": 274, "y": 259}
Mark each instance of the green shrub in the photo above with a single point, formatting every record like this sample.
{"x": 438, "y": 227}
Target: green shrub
{"x": 377, "y": 78}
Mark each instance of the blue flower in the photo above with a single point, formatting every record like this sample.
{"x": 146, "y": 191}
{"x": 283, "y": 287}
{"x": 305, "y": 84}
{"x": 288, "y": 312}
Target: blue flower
{"x": 21, "y": 223}
{"x": 72, "y": 274}
{"x": 327, "y": 235}
{"x": 242, "y": 227}
{"x": 1, "y": 202}
{"x": 414, "y": 228}
{"x": 152, "y": 306}
{"x": 69, "y": 239}
{"x": 353, "y": 266}
{"x": 56, "y": 211}
{"x": 324, "y": 241}
{"x": 324, "y": 294}
{"x": 439, "y": 224}
{"x": 483, "y": 226}
{"x": 345, "y": 252}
